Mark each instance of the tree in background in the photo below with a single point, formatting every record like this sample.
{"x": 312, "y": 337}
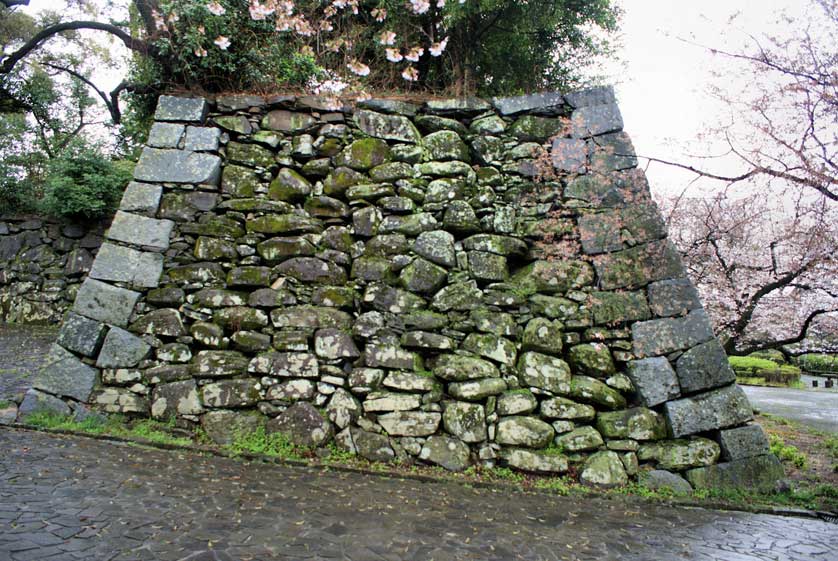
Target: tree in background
{"x": 767, "y": 275}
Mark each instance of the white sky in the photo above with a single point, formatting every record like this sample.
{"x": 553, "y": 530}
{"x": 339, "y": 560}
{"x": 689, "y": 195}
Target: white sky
{"x": 663, "y": 76}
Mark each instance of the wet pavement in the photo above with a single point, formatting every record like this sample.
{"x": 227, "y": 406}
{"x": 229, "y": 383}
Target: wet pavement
{"x": 814, "y": 408}
{"x": 23, "y": 349}
{"x": 68, "y": 498}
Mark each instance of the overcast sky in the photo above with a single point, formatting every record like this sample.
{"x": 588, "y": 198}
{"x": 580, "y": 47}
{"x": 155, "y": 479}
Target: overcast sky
{"x": 663, "y": 75}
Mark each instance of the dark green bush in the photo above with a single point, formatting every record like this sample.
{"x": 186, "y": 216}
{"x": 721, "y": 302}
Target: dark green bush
{"x": 816, "y": 362}
{"x": 84, "y": 184}
{"x": 752, "y": 367}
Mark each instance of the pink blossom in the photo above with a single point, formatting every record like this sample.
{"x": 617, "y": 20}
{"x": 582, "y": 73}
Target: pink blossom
{"x": 420, "y": 6}
{"x": 393, "y": 55}
{"x": 222, "y": 42}
{"x": 216, "y": 9}
{"x": 414, "y": 54}
{"x": 259, "y": 11}
{"x": 440, "y": 3}
{"x": 358, "y": 68}
{"x": 410, "y": 74}
{"x": 200, "y": 52}
{"x": 387, "y": 38}
{"x": 437, "y": 48}
{"x": 380, "y": 14}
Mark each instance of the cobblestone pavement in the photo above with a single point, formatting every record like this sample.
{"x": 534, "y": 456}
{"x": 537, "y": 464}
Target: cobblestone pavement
{"x": 77, "y": 498}
{"x": 23, "y": 349}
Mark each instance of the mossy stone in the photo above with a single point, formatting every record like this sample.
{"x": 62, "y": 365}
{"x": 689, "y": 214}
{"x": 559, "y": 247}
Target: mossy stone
{"x": 592, "y": 359}
{"x": 250, "y": 155}
{"x": 341, "y": 179}
{"x": 364, "y": 154}
{"x": 284, "y": 224}
{"x": 445, "y": 145}
{"x": 537, "y": 129}
{"x": 289, "y": 186}
{"x": 239, "y": 181}
{"x": 638, "y": 423}
{"x": 592, "y": 390}
{"x": 423, "y": 277}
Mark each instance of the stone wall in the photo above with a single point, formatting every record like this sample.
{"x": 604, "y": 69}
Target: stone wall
{"x": 42, "y": 264}
{"x": 458, "y": 282}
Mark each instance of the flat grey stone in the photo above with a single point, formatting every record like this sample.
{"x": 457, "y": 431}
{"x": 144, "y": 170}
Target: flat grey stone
{"x": 569, "y": 155}
{"x": 390, "y": 106}
{"x": 662, "y": 336}
{"x": 658, "y": 479}
{"x": 165, "y": 135}
{"x": 140, "y": 230}
{"x": 171, "y": 108}
{"x": 122, "y": 264}
{"x": 743, "y": 442}
{"x": 101, "y": 301}
{"x": 35, "y": 401}
{"x": 122, "y": 350}
{"x": 176, "y": 398}
{"x": 202, "y": 139}
{"x": 436, "y": 246}
{"x": 159, "y": 165}
{"x": 223, "y": 427}
{"x": 533, "y": 103}
{"x": 703, "y": 367}
{"x": 716, "y": 409}
{"x": 592, "y": 96}
{"x": 654, "y": 380}
{"x": 639, "y": 265}
{"x": 387, "y": 127}
{"x": 237, "y": 102}
{"x": 612, "y": 152}
{"x": 673, "y": 297}
{"x": 595, "y": 120}
{"x": 141, "y": 198}
{"x": 757, "y": 473}
{"x": 65, "y": 375}
{"x": 450, "y": 453}
{"x": 81, "y": 335}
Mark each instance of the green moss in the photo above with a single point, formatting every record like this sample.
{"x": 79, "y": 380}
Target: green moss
{"x": 154, "y": 431}
{"x": 787, "y": 453}
{"x": 260, "y": 442}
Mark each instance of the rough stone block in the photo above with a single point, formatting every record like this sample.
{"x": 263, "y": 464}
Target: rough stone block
{"x": 595, "y": 120}
{"x": 35, "y": 402}
{"x": 141, "y": 198}
{"x": 757, "y": 473}
{"x": 743, "y": 442}
{"x": 547, "y": 102}
{"x": 716, "y": 409}
{"x": 607, "y": 231}
{"x": 106, "y": 303}
{"x": 140, "y": 230}
{"x": 703, "y": 367}
{"x": 81, "y": 335}
{"x": 599, "y": 95}
{"x": 662, "y": 336}
{"x": 122, "y": 350}
{"x": 654, "y": 380}
{"x": 65, "y": 375}
{"x": 388, "y": 127}
{"x": 638, "y": 266}
{"x": 177, "y": 398}
{"x": 190, "y": 109}
{"x": 202, "y": 139}
{"x": 612, "y": 152}
{"x": 165, "y": 135}
{"x": 158, "y": 165}
{"x": 122, "y": 264}
{"x": 673, "y": 297}
{"x": 569, "y": 155}
{"x": 231, "y": 393}
{"x": 619, "y": 307}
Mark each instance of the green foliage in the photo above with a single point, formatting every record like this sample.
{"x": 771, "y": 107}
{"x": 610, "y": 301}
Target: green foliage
{"x": 749, "y": 367}
{"x": 114, "y": 425}
{"x": 84, "y": 184}
{"x": 815, "y": 362}
{"x": 773, "y": 355}
{"x": 787, "y": 453}
{"x": 259, "y": 441}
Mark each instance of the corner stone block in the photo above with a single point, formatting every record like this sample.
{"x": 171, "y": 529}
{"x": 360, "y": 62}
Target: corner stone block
{"x": 703, "y": 367}
{"x": 760, "y": 472}
{"x": 673, "y": 297}
{"x": 540, "y": 102}
{"x": 599, "y": 95}
{"x": 743, "y": 442}
{"x": 654, "y": 380}
{"x": 141, "y": 198}
{"x": 569, "y": 155}
{"x": 122, "y": 264}
{"x": 158, "y": 165}
{"x": 35, "y": 401}
{"x": 663, "y": 336}
{"x": 65, "y": 375}
{"x": 594, "y": 120}
{"x": 122, "y": 350}
{"x": 717, "y": 409}
{"x": 103, "y": 302}
{"x": 638, "y": 266}
{"x": 141, "y": 230}
{"x": 202, "y": 139}
{"x": 188, "y": 109}
{"x": 81, "y": 335}
{"x": 165, "y": 135}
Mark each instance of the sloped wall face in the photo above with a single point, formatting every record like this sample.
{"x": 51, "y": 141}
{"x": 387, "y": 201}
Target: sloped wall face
{"x": 42, "y": 265}
{"x": 454, "y": 283}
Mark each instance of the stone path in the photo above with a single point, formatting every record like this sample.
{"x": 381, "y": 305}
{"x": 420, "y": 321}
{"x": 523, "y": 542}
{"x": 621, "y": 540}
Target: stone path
{"x": 23, "y": 349}
{"x": 815, "y": 408}
{"x": 64, "y": 498}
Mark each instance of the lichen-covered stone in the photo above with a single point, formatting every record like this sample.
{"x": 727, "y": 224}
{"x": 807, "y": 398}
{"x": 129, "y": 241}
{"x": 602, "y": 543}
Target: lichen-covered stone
{"x": 563, "y": 408}
{"x": 289, "y": 186}
{"x": 603, "y": 469}
{"x": 302, "y": 424}
{"x": 654, "y": 380}
{"x": 292, "y": 390}
{"x": 101, "y": 301}
{"x": 543, "y": 335}
{"x": 544, "y": 372}
{"x": 552, "y": 277}
{"x": 121, "y": 349}
{"x": 704, "y": 367}
{"x": 475, "y": 390}
{"x": 466, "y": 421}
{"x": 758, "y": 473}
{"x": 65, "y": 375}
{"x": 638, "y": 423}
{"x": 158, "y": 165}
{"x": 224, "y": 427}
{"x": 619, "y": 307}
{"x": 720, "y": 408}
{"x": 163, "y": 322}
{"x": 458, "y": 368}
{"x": 662, "y": 480}
{"x": 516, "y": 402}
{"x": 288, "y": 122}
{"x": 592, "y": 359}
{"x": 230, "y": 393}
{"x": 436, "y": 246}
{"x": 673, "y": 297}
{"x": 388, "y": 127}
{"x": 638, "y": 266}
{"x": 331, "y": 343}
{"x": 176, "y": 398}
{"x": 577, "y": 440}
{"x": 284, "y": 224}
{"x": 285, "y": 365}
{"x": 450, "y": 453}
{"x": 743, "y": 442}
{"x": 663, "y": 336}
{"x": 445, "y": 145}
{"x": 593, "y": 391}
{"x": 680, "y": 454}
{"x": 390, "y": 401}
{"x": 310, "y": 317}
{"x": 364, "y": 154}
{"x": 410, "y": 381}
{"x": 423, "y": 277}
{"x": 81, "y": 335}
{"x": 528, "y": 432}
{"x": 240, "y": 317}
{"x": 217, "y": 364}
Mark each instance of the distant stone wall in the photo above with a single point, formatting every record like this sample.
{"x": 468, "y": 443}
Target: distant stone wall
{"x": 42, "y": 264}
{"x": 459, "y": 282}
